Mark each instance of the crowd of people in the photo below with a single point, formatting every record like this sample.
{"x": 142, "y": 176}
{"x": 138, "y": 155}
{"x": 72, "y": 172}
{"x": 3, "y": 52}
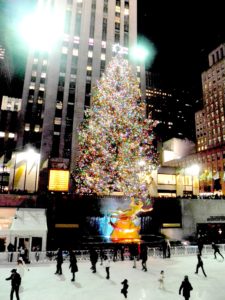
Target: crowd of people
{"x": 138, "y": 252}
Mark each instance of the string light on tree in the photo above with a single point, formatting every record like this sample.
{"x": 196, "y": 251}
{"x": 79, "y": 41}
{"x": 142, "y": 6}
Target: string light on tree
{"x": 115, "y": 136}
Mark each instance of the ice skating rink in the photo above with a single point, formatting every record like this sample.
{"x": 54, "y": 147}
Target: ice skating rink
{"x": 40, "y": 283}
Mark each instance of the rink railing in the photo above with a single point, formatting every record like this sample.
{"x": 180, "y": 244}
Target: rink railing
{"x": 83, "y": 255}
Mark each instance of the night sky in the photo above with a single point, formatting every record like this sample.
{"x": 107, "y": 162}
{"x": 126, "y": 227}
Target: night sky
{"x": 183, "y": 33}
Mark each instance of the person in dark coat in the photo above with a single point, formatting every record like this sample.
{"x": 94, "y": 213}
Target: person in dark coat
{"x": 144, "y": 257}
{"x": 216, "y": 250}
{"x": 10, "y": 249}
{"x": 122, "y": 253}
{"x": 164, "y": 248}
{"x": 73, "y": 264}
{"x": 15, "y": 282}
{"x": 59, "y": 260}
{"x": 124, "y": 290}
{"x": 200, "y": 245}
{"x": 133, "y": 253}
{"x": 93, "y": 259}
{"x": 186, "y": 287}
{"x": 200, "y": 265}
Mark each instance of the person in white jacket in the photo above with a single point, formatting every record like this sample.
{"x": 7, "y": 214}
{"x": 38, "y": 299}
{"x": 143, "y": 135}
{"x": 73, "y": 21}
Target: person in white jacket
{"x": 21, "y": 267}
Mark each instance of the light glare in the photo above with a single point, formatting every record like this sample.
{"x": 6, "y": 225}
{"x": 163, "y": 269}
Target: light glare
{"x": 42, "y": 29}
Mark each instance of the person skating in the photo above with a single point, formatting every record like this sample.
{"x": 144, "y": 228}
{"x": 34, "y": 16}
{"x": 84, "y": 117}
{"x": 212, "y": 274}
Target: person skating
{"x": 59, "y": 260}
{"x": 15, "y": 283}
{"x": 107, "y": 266}
{"x": 161, "y": 280}
{"x": 216, "y": 250}
{"x": 200, "y": 245}
{"x": 22, "y": 268}
{"x": 124, "y": 290}
{"x": 185, "y": 288}
{"x": 93, "y": 259}
{"x": 200, "y": 265}
{"x": 144, "y": 257}
{"x": 73, "y": 264}
{"x": 10, "y": 249}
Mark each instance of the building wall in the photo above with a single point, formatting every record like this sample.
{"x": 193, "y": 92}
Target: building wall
{"x": 196, "y": 211}
{"x": 212, "y": 124}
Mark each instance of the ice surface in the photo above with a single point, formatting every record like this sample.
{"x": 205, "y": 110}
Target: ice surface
{"x": 40, "y": 283}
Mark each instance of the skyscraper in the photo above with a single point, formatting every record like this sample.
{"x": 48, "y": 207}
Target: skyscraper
{"x": 210, "y": 125}
{"x": 57, "y": 85}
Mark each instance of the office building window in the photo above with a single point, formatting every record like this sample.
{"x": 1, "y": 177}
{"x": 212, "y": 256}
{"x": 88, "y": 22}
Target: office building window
{"x": 104, "y": 29}
{"x": 92, "y": 23}
{"x": 105, "y": 7}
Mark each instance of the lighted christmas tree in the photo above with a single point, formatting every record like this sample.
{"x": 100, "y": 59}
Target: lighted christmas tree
{"x": 116, "y": 139}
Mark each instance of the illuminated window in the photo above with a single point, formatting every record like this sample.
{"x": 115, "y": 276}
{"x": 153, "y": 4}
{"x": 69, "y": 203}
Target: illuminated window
{"x": 166, "y": 179}
{"x": 32, "y": 86}
{"x": 75, "y": 52}
{"x": 103, "y": 44}
{"x": 2, "y": 134}
{"x": 58, "y": 121}
{"x": 37, "y": 128}
{"x": 27, "y": 127}
{"x": 59, "y": 105}
{"x": 90, "y": 54}
{"x": 102, "y": 56}
{"x": 126, "y": 12}
{"x": 64, "y": 50}
{"x": 118, "y": 9}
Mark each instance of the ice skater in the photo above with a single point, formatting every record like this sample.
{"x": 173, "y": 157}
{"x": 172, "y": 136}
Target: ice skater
{"x": 216, "y": 250}
{"x": 186, "y": 287}
{"x": 107, "y": 266}
{"x": 59, "y": 260}
{"x": 22, "y": 268}
{"x": 200, "y": 265}
{"x": 161, "y": 280}
{"x": 15, "y": 283}
{"x": 124, "y": 290}
{"x": 200, "y": 245}
{"x": 144, "y": 257}
{"x": 73, "y": 264}
{"x": 93, "y": 259}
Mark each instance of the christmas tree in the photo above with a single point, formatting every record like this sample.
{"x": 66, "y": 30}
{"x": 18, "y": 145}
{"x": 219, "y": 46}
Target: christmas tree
{"x": 116, "y": 151}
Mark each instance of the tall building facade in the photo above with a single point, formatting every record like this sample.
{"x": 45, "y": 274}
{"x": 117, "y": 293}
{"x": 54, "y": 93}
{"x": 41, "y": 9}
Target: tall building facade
{"x": 210, "y": 125}
{"x": 210, "y": 131}
{"x": 57, "y": 86}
